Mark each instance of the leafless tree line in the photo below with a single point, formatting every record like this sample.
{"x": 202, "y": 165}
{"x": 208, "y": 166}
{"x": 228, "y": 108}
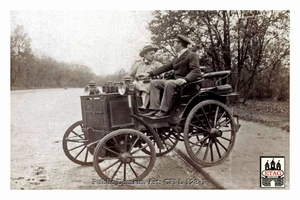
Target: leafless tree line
{"x": 254, "y": 45}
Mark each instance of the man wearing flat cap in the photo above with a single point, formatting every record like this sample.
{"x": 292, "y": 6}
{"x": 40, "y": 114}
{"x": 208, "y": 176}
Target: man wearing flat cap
{"x": 186, "y": 69}
{"x": 146, "y": 64}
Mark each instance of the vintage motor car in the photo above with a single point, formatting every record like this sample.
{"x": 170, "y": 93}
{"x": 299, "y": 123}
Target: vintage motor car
{"x": 122, "y": 144}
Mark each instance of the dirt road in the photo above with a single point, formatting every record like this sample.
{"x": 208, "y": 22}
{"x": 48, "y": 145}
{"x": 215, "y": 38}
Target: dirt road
{"x": 39, "y": 119}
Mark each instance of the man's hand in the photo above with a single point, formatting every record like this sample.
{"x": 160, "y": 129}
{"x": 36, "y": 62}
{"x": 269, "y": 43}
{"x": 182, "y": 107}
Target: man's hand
{"x": 143, "y": 75}
{"x": 180, "y": 81}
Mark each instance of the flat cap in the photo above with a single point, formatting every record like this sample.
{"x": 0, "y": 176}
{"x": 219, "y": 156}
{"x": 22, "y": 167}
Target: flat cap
{"x": 184, "y": 39}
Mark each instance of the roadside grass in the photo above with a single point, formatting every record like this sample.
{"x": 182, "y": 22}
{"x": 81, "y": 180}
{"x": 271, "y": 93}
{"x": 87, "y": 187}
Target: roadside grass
{"x": 272, "y": 113}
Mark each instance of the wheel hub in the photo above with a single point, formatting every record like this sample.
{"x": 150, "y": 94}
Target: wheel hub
{"x": 126, "y": 158}
{"x": 215, "y": 132}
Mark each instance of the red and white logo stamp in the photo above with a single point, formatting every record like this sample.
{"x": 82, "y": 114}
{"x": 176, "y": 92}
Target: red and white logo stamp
{"x": 272, "y": 171}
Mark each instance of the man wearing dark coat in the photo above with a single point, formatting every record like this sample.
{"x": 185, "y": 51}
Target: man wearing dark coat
{"x": 186, "y": 69}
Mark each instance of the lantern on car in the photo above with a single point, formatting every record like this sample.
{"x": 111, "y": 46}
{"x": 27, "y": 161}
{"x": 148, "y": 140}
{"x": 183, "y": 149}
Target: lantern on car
{"x": 126, "y": 86}
{"x": 122, "y": 88}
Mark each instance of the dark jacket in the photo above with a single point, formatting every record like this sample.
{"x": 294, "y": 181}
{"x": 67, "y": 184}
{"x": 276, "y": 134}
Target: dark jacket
{"x": 186, "y": 66}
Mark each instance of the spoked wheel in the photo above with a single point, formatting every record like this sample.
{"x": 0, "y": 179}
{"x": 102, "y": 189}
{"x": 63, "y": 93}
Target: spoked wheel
{"x": 75, "y": 145}
{"x": 169, "y": 142}
{"x": 119, "y": 156}
{"x": 178, "y": 135}
{"x": 178, "y": 132}
{"x": 209, "y": 133}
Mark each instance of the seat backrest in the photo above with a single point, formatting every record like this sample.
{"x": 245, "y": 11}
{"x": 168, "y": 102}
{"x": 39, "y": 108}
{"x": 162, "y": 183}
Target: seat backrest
{"x": 213, "y": 79}
{"x": 191, "y": 87}
{"x": 184, "y": 93}
{"x": 187, "y": 91}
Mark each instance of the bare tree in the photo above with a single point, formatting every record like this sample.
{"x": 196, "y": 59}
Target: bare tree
{"x": 239, "y": 41}
{"x": 21, "y": 55}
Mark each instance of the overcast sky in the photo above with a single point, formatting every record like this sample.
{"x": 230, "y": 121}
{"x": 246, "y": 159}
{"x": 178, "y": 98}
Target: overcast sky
{"x": 104, "y": 40}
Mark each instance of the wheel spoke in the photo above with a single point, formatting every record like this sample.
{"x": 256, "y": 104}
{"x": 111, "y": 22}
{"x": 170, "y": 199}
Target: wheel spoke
{"x": 134, "y": 143}
{"x": 77, "y": 134}
{"x": 140, "y": 165}
{"x": 172, "y": 137}
{"x": 211, "y": 152}
{"x": 117, "y": 144}
{"x": 225, "y": 122}
{"x": 196, "y": 135}
{"x": 206, "y": 151}
{"x": 209, "y": 111}
{"x": 225, "y": 138}
{"x": 116, "y": 170}
{"x": 216, "y": 116}
{"x": 198, "y": 151}
{"x": 195, "y": 143}
{"x": 134, "y": 172}
{"x": 76, "y": 140}
{"x": 146, "y": 156}
{"x": 220, "y": 118}
{"x": 193, "y": 125}
{"x": 76, "y": 147}
{"x": 228, "y": 130}
{"x": 202, "y": 144}
{"x": 110, "y": 150}
{"x": 86, "y": 155}
{"x": 125, "y": 143}
{"x": 202, "y": 140}
{"x": 169, "y": 139}
{"x": 111, "y": 165}
{"x": 221, "y": 144}
{"x": 107, "y": 158}
{"x": 159, "y": 149}
{"x": 218, "y": 150}
{"x": 154, "y": 144}
{"x": 206, "y": 117}
{"x": 124, "y": 171}
{"x": 80, "y": 152}
{"x": 140, "y": 149}
{"x": 167, "y": 144}
{"x": 199, "y": 120}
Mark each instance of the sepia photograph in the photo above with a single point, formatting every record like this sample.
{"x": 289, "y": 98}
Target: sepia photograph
{"x": 156, "y": 99}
